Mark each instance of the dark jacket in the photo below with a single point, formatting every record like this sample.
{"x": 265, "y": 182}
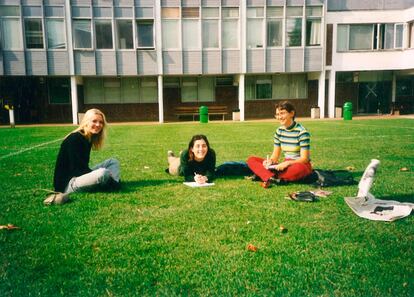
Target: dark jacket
{"x": 205, "y": 167}
{"x": 72, "y": 160}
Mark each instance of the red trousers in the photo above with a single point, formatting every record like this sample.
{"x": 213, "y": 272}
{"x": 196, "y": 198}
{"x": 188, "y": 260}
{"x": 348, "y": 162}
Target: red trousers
{"x": 294, "y": 172}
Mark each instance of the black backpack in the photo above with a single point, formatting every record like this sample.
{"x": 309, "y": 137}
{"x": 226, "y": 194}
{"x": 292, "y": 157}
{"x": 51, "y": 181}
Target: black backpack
{"x": 330, "y": 178}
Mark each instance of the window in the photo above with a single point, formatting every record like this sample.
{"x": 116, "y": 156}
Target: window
{"x": 195, "y": 89}
{"x": 399, "y": 29}
{"x": 411, "y": 35}
{"x": 313, "y": 32}
{"x": 206, "y": 89}
{"x": 370, "y": 37}
{"x": 112, "y": 90}
{"x": 223, "y": 81}
{"x": 210, "y": 12}
{"x": 264, "y": 88}
{"x": 294, "y": 26}
{"x": 284, "y": 86}
{"x": 34, "y": 33}
{"x": 170, "y": 30}
{"x": 32, "y": 11}
{"x": 170, "y": 12}
{"x": 120, "y": 90}
{"x": 123, "y": 12}
{"x": 230, "y": 27}
{"x": 254, "y": 33}
{"x": 294, "y": 32}
{"x": 82, "y": 34}
{"x": 210, "y": 34}
{"x": 210, "y": 27}
{"x": 274, "y": 26}
{"x": 55, "y": 31}
{"x": 10, "y": 33}
{"x": 124, "y": 34}
{"x": 274, "y": 32}
{"x": 149, "y": 90}
{"x": 230, "y": 35}
{"x": 255, "y": 27}
{"x": 404, "y": 87}
{"x": 274, "y": 12}
{"x": 9, "y": 11}
{"x": 191, "y": 34}
{"x": 59, "y": 90}
{"x": 230, "y": 12}
{"x": 103, "y": 33}
{"x": 54, "y": 11}
{"x": 190, "y": 12}
{"x": 81, "y": 11}
{"x": 360, "y": 37}
{"x": 189, "y": 89}
{"x": 144, "y": 12}
{"x": 170, "y": 34}
{"x": 290, "y": 86}
{"x": 145, "y": 34}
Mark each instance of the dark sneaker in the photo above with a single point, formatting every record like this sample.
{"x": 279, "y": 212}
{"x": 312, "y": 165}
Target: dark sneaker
{"x": 112, "y": 185}
{"x": 271, "y": 181}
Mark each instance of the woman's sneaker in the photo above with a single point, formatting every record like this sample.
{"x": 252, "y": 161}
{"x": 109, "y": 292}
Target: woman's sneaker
{"x": 56, "y": 198}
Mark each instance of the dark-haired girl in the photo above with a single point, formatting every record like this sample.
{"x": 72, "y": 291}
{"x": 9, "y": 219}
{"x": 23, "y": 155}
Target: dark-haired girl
{"x": 196, "y": 163}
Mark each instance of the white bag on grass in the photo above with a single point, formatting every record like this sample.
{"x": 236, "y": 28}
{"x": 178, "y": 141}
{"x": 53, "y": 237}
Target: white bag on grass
{"x": 367, "y": 206}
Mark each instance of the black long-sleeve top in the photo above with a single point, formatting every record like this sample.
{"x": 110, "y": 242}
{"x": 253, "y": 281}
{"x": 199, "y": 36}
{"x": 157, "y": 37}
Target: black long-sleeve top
{"x": 72, "y": 160}
{"x": 205, "y": 167}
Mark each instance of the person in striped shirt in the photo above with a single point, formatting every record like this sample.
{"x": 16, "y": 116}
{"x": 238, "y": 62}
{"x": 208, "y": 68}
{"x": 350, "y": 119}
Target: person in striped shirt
{"x": 293, "y": 140}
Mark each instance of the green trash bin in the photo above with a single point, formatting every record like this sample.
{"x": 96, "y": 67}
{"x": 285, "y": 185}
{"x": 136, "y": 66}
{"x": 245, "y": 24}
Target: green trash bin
{"x": 203, "y": 114}
{"x": 347, "y": 111}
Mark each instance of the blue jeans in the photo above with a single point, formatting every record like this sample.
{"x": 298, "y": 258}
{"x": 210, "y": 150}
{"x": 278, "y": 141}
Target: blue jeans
{"x": 101, "y": 175}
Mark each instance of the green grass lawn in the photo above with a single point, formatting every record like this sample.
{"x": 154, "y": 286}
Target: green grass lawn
{"x": 158, "y": 237}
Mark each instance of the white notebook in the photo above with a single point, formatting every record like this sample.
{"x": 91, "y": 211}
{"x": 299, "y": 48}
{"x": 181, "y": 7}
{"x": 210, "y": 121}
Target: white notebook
{"x": 197, "y": 185}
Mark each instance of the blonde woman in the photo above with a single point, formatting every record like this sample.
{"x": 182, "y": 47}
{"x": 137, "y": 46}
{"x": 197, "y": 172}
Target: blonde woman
{"x": 72, "y": 172}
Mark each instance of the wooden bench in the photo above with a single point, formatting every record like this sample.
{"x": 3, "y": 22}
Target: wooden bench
{"x": 194, "y": 111}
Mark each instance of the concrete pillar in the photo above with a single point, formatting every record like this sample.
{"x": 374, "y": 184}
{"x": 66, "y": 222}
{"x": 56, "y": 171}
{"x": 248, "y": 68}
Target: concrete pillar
{"x": 394, "y": 87}
{"x": 321, "y": 94}
{"x": 160, "y": 100}
{"x": 241, "y": 97}
{"x": 74, "y": 97}
{"x": 331, "y": 94}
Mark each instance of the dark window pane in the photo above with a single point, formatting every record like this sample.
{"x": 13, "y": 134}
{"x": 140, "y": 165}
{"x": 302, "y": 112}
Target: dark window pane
{"x": 145, "y": 34}
{"x": 34, "y": 33}
{"x": 103, "y": 35}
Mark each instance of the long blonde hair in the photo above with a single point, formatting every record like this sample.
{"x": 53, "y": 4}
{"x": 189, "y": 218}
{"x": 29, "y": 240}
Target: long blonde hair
{"x": 97, "y": 140}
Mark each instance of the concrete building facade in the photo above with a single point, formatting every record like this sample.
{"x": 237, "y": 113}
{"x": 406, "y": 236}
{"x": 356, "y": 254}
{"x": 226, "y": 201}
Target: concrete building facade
{"x": 140, "y": 60}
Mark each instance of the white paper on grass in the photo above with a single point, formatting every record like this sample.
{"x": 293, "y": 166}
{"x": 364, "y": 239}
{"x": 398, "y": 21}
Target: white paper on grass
{"x": 197, "y": 185}
{"x": 368, "y": 207}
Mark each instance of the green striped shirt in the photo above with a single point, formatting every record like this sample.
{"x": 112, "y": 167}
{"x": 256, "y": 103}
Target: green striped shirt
{"x": 292, "y": 140}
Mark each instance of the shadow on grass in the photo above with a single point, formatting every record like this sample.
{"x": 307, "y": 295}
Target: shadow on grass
{"x": 133, "y": 186}
{"x": 399, "y": 198}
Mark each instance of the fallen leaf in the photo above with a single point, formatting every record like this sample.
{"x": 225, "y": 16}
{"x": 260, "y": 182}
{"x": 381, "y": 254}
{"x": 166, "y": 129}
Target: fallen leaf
{"x": 248, "y": 222}
{"x": 283, "y": 229}
{"x": 9, "y": 227}
{"x": 146, "y": 167}
{"x": 404, "y": 169}
{"x": 252, "y": 248}
{"x": 350, "y": 168}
